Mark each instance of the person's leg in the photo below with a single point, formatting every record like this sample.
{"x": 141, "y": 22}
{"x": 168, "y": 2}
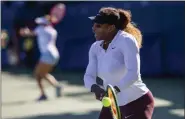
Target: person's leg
{"x": 41, "y": 71}
{"x": 105, "y": 113}
{"x": 48, "y": 61}
{"x": 142, "y": 114}
{"x": 38, "y": 75}
{"x": 141, "y": 108}
{"x": 51, "y": 79}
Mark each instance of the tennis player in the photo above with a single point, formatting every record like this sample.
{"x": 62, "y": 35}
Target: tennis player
{"x": 114, "y": 58}
{"x": 47, "y": 36}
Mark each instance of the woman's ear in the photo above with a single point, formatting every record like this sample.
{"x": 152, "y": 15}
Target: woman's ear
{"x": 111, "y": 28}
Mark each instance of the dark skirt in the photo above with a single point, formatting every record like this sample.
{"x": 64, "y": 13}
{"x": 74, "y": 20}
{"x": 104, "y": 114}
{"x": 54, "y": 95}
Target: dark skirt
{"x": 142, "y": 108}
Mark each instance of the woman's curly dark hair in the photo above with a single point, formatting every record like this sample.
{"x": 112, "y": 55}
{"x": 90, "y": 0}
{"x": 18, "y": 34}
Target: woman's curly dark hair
{"x": 124, "y": 23}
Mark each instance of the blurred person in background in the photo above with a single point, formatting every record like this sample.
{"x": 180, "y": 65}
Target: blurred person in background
{"x": 47, "y": 36}
{"x": 115, "y": 59}
{"x": 9, "y": 57}
{"x": 9, "y": 10}
{"x": 27, "y": 46}
{"x": 4, "y": 38}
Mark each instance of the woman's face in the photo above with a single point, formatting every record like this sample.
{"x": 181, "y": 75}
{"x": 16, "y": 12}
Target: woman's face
{"x": 101, "y": 31}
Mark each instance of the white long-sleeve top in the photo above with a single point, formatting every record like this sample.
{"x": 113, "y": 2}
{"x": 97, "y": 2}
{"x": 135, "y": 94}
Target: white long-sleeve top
{"x": 119, "y": 66}
{"x": 47, "y": 37}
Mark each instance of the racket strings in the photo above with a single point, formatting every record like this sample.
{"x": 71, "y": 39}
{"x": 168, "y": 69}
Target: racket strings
{"x": 113, "y": 104}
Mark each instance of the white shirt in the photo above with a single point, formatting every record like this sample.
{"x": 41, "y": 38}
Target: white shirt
{"x": 119, "y": 66}
{"x": 47, "y": 36}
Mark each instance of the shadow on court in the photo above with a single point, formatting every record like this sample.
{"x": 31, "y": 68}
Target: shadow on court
{"x": 91, "y": 115}
{"x": 169, "y": 95}
{"x": 159, "y": 114}
{"x": 170, "y": 90}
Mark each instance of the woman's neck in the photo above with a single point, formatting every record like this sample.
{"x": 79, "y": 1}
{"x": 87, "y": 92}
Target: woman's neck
{"x": 108, "y": 40}
{"x": 110, "y": 37}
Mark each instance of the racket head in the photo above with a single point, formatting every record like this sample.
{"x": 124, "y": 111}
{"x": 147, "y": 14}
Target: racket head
{"x": 57, "y": 13}
{"x": 114, "y": 103}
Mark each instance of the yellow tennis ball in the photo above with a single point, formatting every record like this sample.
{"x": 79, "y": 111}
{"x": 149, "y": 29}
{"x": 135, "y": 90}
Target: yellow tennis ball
{"x": 106, "y": 101}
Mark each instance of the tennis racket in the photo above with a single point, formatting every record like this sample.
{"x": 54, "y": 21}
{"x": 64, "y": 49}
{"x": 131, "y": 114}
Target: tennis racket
{"x": 114, "y": 102}
{"x": 57, "y": 13}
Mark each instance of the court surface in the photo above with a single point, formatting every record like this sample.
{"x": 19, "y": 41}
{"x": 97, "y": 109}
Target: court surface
{"x": 19, "y": 91}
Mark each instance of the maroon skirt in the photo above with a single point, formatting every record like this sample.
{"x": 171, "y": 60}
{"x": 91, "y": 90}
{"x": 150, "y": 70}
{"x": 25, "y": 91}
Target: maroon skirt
{"x": 142, "y": 108}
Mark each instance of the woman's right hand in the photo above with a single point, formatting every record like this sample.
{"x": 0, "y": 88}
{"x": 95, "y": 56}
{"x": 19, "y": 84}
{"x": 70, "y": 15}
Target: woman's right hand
{"x": 99, "y": 92}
